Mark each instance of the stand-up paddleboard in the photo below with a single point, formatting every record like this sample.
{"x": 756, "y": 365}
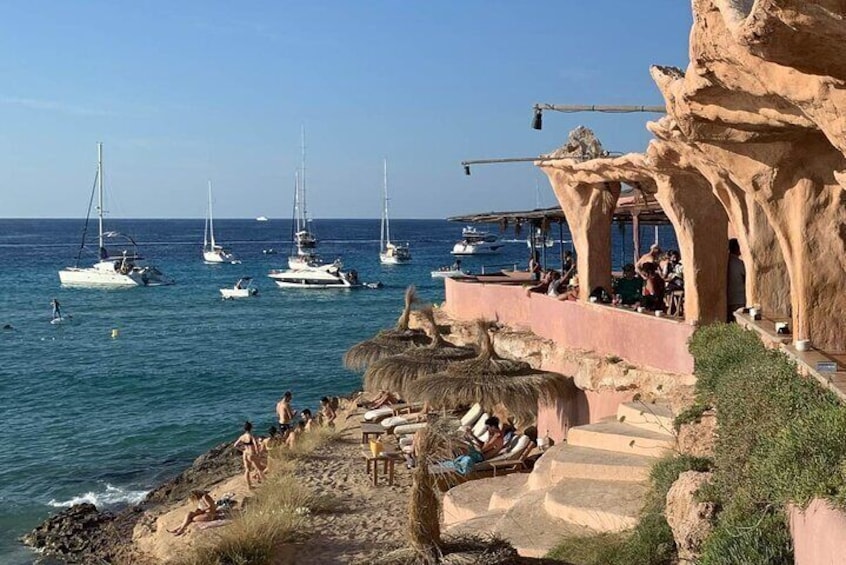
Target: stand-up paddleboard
{"x": 62, "y": 320}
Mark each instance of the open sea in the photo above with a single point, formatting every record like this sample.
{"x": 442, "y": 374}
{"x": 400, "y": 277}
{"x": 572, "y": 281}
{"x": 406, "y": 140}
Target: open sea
{"x": 88, "y": 417}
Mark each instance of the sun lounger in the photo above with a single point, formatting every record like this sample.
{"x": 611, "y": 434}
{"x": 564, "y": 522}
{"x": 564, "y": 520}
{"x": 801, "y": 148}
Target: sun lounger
{"x": 378, "y": 414}
{"x": 513, "y": 458}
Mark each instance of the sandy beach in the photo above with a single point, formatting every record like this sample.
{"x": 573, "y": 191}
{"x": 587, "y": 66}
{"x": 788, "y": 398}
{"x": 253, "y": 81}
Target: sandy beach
{"x": 365, "y": 521}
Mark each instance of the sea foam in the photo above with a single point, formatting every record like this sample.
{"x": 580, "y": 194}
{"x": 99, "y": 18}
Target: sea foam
{"x": 111, "y": 496}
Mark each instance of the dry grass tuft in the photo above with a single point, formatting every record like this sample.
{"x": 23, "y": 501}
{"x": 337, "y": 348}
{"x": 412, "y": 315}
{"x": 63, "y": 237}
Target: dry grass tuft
{"x": 277, "y": 514}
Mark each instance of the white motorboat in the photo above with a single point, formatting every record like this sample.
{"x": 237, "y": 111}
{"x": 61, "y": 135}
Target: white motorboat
{"x": 112, "y": 270}
{"x": 261, "y": 219}
{"x": 319, "y": 276}
{"x": 476, "y": 242}
{"x": 214, "y": 254}
{"x": 450, "y": 273}
{"x": 242, "y": 289}
{"x": 390, "y": 253}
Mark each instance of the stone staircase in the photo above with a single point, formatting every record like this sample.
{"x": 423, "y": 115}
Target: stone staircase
{"x": 595, "y": 482}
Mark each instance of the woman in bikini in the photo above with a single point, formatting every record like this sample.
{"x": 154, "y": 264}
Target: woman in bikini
{"x": 250, "y": 452}
{"x": 206, "y": 511}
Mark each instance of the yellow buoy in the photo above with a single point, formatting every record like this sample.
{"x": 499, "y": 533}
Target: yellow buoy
{"x": 115, "y": 333}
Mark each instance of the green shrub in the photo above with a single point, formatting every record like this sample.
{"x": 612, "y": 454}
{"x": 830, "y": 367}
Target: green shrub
{"x": 760, "y": 538}
{"x": 780, "y": 440}
{"x": 690, "y": 415}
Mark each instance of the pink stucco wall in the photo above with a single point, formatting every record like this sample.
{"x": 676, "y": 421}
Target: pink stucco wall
{"x": 819, "y": 534}
{"x": 557, "y": 416}
{"x": 641, "y": 339}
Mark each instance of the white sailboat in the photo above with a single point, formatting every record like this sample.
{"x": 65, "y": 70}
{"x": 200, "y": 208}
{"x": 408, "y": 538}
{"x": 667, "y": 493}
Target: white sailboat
{"x": 112, "y": 270}
{"x": 213, "y": 253}
{"x": 303, "y": 237}
{"x": 305, "y": 269}
{"x": 390, "y": 253}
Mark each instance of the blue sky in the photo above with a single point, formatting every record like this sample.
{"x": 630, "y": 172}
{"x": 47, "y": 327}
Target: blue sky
{"x": 181, "y": 92}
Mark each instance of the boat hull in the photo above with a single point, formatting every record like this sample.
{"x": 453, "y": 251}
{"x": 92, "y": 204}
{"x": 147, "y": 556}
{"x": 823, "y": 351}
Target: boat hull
{"x": 106, "y": 275}
{"x": 482, "y": 248}
{"x": 324, "y": 277}
{"x": 238, "y": 292}
{"x": 450, "y": 274}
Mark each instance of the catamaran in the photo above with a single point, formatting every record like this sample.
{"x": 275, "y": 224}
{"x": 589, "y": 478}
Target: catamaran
{"x": 390, "y": 253}
{"x": 114, "y": 270}
{"x": 213, "y": 253}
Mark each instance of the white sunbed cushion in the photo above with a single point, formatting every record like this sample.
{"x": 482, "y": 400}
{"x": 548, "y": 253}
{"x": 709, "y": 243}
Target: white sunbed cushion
{"x": 394, "y": 421}
{"x": 516, "y": 449}
{"x": 408, "y": 428}
{"x": 480, "y": 424}
{"x": 472, "y": 415}
{"x": 484, "y": 437}
{"x": 378, "y": 414}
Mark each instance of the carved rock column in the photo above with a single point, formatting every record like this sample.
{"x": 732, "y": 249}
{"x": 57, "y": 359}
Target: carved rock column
{"x": 589, "y": 209}
{"x": 701, "y": 227}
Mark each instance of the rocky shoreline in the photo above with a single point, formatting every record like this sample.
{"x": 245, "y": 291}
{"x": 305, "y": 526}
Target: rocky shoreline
{"x": 84, "y": 534}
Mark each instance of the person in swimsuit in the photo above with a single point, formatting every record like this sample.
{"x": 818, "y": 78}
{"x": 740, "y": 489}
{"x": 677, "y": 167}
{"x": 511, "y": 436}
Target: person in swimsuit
{"x": 285, "y": 413}
{"x": 294, "y": 434}
{"x": 308, "y": 420}
{"x": 327, "y": 414}
{"x": 206, "y": 511}
{"x": 250, "y": 453}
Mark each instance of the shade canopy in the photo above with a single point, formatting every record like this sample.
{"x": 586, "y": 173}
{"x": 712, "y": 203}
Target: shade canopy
{"x": 387, "y": 342}
{"x": 397, "y": 372}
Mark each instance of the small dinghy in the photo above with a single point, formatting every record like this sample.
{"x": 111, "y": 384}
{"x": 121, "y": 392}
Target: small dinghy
{"x": 242, "y": 289}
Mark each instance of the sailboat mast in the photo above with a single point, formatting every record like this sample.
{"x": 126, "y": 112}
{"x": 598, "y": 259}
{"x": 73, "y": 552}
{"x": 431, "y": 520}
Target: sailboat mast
{"x": 211, "y": 218}
{"x": 386, "y": 220}
{"x": 297, "y": 226}
{"x": 303, "y": 147}
{"x": 100, "y": 195}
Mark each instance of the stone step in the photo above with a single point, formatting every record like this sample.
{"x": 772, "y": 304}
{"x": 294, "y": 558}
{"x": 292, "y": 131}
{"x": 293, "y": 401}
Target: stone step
{"x": 483, "y": 525}
{"x": 531, "y": 530}
{"x": 577, "y": 462}
{"x": 509, "y": 490}
{"x": 465, "y": 502}
{"x": 612, "y": 435}
{"x": 653, "y": 417}
{"x": 603, "y": 506}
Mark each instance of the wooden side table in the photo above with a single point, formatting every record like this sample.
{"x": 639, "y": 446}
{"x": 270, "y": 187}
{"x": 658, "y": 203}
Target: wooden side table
{"x": 371, "y": 431}
{"x": 387, "y": 458}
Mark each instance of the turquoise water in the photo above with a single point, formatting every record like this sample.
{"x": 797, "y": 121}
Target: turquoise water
{"x": 87, "y": 417}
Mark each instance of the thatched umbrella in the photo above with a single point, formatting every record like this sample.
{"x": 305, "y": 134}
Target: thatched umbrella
{"x": 491, "y": 380}
{"x": 395, "y": 373}
{"x": 387, "y": 342}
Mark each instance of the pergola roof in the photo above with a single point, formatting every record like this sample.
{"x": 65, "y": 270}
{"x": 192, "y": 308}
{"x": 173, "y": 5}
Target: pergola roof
{"x": 648, "y": 211}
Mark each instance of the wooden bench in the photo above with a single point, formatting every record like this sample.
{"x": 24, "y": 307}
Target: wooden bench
{"x": 388, "y": 458}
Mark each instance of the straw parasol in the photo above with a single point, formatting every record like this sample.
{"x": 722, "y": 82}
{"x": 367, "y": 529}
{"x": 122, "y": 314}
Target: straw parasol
{"x": 491, "y": 380}
{"x": 395, "y": 373}
{"x": 387, "y": 342}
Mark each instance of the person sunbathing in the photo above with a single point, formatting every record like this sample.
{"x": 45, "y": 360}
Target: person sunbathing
{"x": 479, "y": 450}
{"x": 206, "y": 511}
{"x": 385, "y": 398}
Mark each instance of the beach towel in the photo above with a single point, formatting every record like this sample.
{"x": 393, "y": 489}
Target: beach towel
{"x": 463, "y": 464}
{"x": 212, "y": 524}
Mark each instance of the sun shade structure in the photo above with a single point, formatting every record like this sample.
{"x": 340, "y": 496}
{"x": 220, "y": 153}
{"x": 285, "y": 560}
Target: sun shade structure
{"x": 387, "y": 342}
{"x": 395, "y": 373}
{"x": 491, "y": 380}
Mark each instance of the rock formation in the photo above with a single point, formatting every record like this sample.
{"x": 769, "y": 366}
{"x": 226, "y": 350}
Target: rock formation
{"x": 754, "y": 140}
{"x": 689, "y": 519}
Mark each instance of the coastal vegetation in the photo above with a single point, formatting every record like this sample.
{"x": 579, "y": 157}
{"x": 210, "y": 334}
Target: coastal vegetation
{"x": 780, "y": 443}
{"x": 278, "y": 513}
